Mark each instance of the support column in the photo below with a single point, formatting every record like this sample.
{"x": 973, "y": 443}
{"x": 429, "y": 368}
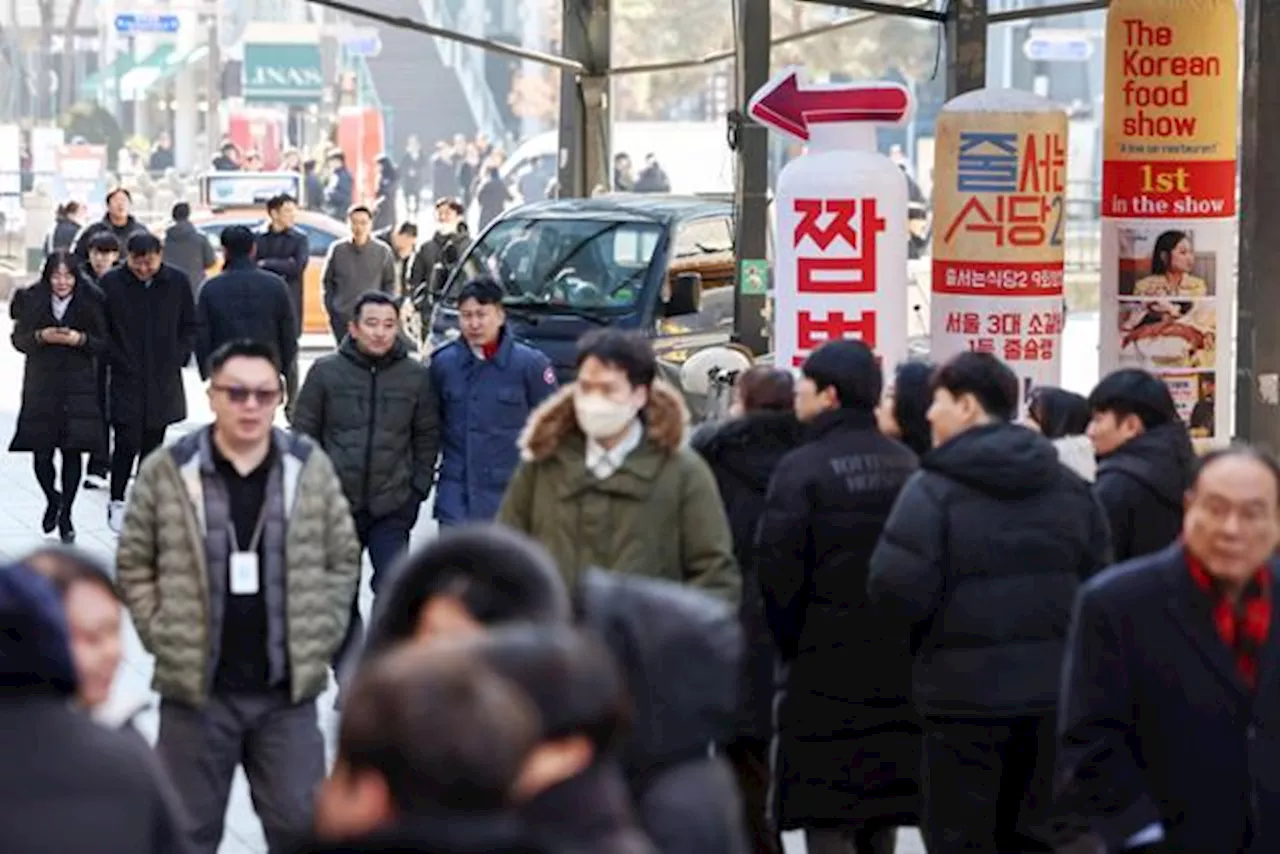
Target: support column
{"x": 752, "y": 196}
{"x": 966, "y": 37}
{"x": 586, "y": 125}
{"x": 185, "y": 106}
{"x": 1258, "y": 307}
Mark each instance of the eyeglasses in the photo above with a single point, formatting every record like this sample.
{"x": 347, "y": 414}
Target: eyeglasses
{"x": 240, "y": 395}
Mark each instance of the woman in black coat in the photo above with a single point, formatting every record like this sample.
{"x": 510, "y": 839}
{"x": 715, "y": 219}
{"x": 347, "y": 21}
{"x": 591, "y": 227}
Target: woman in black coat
{"x": 743, "y": 453}
{"x": 904, "y": 409}
{"x": 59, "y": 324}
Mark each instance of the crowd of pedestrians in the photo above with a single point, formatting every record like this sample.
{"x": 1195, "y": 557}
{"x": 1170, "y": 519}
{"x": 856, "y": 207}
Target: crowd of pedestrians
{"x": 852, "y": 607}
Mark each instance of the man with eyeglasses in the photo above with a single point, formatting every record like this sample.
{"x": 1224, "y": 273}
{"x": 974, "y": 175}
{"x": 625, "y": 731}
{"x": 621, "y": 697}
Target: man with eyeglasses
{"x": 238, "y": 560}
{"x": 372, "y": 408}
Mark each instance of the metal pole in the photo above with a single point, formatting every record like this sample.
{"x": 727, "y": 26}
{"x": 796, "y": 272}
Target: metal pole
{"x": 966, "y": 35}
{"x": 752, "y": 195}
{"x": 585, "y": 121}
{"x": 213, "y": 115}
{"x": 1258, "y": 301}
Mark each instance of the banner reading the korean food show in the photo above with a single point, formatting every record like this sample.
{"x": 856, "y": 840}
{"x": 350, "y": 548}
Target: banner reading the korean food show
{"x": 999, "y": 186}
{"x": 1169, "y": 200}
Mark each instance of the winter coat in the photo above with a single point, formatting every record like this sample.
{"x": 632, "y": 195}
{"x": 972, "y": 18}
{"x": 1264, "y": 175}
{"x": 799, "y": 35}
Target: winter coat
{"x": 338, "y": 193}
{"x": 442, "y": 248}
{"x": 658, "y": 515}
{"x": 384, "y": 214}
{"x": 979, "y": 565}
{"x": 743, "y": 454}
{"x": 848, "y": 748}
{"x": 151, "y": 332}
{"x": 61, "y": 237}
{"x": 589, "y": 813}
{"x": 1076, "y": 453}
{"x": 441, "y": 833}
{"x": 680, "y": 652}
{"x": 484, "y": 404}
{"x": 377, "y": 421}
{"x": 286, "y": 254}
{"x": 164, "y": 577}
{"x": 1141, "y": 485}
{"x": 60, "y": 404}
{"x": 245, "y": 302}
{"x": 189, "y": 251}
{"x": 1157, "y": 726}
{"x": 122, "y": 233}
{"x": 492, "y": 196}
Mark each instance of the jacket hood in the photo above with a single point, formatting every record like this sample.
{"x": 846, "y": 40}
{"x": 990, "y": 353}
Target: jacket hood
{"x": 1160, "y": 458}
{"x": 348, "y": 348}
{"x": 444, "y": 833}
{"x": 35, "y": 651}
{"x": 1001, "y": 460}
{"x": 665, "y": 418}
{"x": 751, "y": 446}
{"x": 1076, "y": 453}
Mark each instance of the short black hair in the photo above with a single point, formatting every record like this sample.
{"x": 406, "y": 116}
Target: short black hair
{"x": 571, "y": 677}
{"x": 237, "y": 241}
{"x": 66, "y": 566}
{"x": 181, "y": 212}
{"x": 452, "y": 203}
{"x": 911, "y": 401}
{"x": 848, "y": 366}
{"x": 408, "y": 228}
{"x": 439, "y": 728}
{"x": 243, "y": 348}
{"x": 1238, "y": 450}
{"x": 112, "y": 192}
{"x": 104, "y": 241}
{"x": 1133, "y": 391}
{"x": 992, "y": 383}
{"x": 372, "y": 298}
{"x": 1058, "y": 412}
{"x": 631, "y": 352}
{"x": 355, "y": 209}
{"x": 278, "y": 201}
{"x": 484, "y": 290}
{"x": 499, "y": 575}
{"x": 144, "y": 243}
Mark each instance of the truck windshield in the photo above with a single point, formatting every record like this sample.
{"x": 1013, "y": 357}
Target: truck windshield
{"x": 568, "y": 263}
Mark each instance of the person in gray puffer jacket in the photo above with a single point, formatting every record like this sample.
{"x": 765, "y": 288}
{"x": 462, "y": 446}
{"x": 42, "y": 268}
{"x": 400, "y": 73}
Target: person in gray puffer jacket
{"x": 188, "y": 249}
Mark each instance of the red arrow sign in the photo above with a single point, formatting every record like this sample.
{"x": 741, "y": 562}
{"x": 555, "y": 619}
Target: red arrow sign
{"x": 782, "y": 104}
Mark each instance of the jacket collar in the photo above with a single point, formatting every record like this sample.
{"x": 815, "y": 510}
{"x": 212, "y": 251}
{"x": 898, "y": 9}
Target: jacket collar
{"x": 352, "y": 351}
{"x": 833, "y": 420}
{"x": 502, "y": 357}
{"x": 553, "y": 426}
{"x": 589, "y": 806}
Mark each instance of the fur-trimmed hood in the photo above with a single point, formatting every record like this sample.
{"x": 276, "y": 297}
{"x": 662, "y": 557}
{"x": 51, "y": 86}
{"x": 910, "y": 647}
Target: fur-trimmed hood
{"x": 665, "y": 420}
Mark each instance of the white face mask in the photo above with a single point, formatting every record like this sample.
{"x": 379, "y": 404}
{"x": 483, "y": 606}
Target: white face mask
{"x": 602, "y": 418}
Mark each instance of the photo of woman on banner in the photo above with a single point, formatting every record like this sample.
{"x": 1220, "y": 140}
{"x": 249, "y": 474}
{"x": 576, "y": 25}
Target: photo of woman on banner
{"x": 1160, "y": 334}
{"x": 1172, "y": 261}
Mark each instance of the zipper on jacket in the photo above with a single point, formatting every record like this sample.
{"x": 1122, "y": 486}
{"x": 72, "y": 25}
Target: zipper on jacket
{"x": 368, "y": 445}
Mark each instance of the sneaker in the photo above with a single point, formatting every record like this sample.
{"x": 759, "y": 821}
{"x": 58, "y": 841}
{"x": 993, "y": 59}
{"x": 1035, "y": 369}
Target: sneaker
{"x": 96, "y": 481}
{"x": 115, "y": 516}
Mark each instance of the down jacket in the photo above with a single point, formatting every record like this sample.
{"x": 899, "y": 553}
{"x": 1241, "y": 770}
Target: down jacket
{"x": 165, "y": 580}
{"x": 658, "y": 515}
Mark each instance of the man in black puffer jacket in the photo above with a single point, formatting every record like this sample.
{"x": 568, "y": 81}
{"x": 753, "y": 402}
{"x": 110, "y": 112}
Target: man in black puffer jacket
{"x": 980, "y": 561}
{"x": 1145, "y": 461}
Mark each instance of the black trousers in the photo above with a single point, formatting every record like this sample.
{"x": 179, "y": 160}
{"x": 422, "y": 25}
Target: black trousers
{"x": 100, "y": 462}
{"x": 750, "y": 760}
{"x": 985, "y": 783}
{"x": 127, "y": 453}
{"x": 47, "y": 476}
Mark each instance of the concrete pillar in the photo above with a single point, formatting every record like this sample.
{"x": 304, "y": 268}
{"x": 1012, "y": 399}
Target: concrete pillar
{"x": 186, "y": 108}
{"x": 39, "y": 208}
{"x": 966, "y": 38}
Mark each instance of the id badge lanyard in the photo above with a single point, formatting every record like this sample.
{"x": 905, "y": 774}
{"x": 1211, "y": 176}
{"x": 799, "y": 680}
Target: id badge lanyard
{"x": 243, "y": 564}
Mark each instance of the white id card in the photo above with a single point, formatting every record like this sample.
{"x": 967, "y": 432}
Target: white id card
{"x": 244, "y": 573}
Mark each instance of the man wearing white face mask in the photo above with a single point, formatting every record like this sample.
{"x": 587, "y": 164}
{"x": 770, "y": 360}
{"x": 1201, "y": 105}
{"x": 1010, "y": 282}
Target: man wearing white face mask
{"x": 607, "y": 480}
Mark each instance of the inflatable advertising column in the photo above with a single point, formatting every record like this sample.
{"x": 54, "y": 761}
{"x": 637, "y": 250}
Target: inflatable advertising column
{"x": 1169, "y": 200}
{"x": 841, "y": 214}
{"x": 999, "y": 185}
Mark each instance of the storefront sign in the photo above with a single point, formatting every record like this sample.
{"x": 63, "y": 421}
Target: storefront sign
{"x": 1169, "y": 199}
{"x": 283, "y": 73}
{"x": 1000, "y": 168}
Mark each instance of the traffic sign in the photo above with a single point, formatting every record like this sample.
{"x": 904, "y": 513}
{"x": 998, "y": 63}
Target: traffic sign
{"x": 144, "y": 22}
{"x": 362, "y": 41}
{"x": 1047, "y": 46}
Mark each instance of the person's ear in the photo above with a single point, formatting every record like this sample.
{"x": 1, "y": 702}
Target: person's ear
{"x": 550, "y": 763}
{"x": 444, "y": 616}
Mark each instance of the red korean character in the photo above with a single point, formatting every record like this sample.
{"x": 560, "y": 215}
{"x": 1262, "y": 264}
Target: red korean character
{"x": 954, "y": 321}
{"x": 1026, "y": 218}
{"x": 1044, "y": 164}
{"x": 843, "y": 275}
{"x": 1008, "y": 323}
{"x": 972, "y": 323}
{"x": 982, "y": 345}
{"x": 815, "y": 330}
{"x": 975, "y": 217}
{"x": 1012, "y": 350}
{"x": 840, "y": 226}
{"x": 1036, "y": 327}
{"x": 1055, "y": 324}
{"x": 1046, "y": 349}
{"x": 1031, "y": 350}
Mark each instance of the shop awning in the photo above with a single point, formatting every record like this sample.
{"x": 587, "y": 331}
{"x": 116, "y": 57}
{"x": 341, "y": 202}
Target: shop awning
{"x": 145, "y": 74}
{"x": 93, "y": 85}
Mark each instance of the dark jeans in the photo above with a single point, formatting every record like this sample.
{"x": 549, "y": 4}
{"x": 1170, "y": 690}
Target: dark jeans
{"x": 386, "y": 539}
{"x": 126, "y": 453}
{"x": 750, "y": 760}
{"x": 985, "y": 782}
{"x": 277, "y": 741}
{"x": 100, "y": 463}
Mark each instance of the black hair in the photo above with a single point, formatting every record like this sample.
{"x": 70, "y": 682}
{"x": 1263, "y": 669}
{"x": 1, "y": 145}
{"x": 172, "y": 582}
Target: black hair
{"x": 104, "y": 241}
{"x": 66, "y": 566}
{"x": 630, "y": 352}
{"x": 339, "y": 155}
{"x": 992, "y": 383}
{"x": 484, "y": 290}
{"x": 278, "y": 201}
{"x": 499, "y": 575}
{"x": 371, "y": 298}
{"x": 144, "y": 243}
{"x": 237, "y": 241}
{"x": 408, "y": 228}
{"x": 1238, "y": 450}
{"x": 850, "y": 368}
{"x": 571, "y": 677}
{"x": 67, "y": 209}
{"x": 1133, "y": 391}
{"x": 1165, "y": 244}
{"x": 911, "y": 400}
{"x": 53, "y": 261}
{"x": 1058, "y": 412}
{"x": 112, "y": 192}
{"x": 451, "y": 203}
{"x": 355, "y": 209}
{"x": 243, "y": 348}
{"x": 181, "y": 212}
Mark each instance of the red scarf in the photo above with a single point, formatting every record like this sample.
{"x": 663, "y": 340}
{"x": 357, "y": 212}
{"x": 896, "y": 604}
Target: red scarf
{"x": 1244, "y": 625}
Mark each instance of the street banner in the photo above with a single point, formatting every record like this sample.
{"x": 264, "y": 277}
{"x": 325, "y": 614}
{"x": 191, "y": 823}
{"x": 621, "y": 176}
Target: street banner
{"x": 1169, "y": 200}
{"x": 999, "y": 200}
{"x": 841, "y": 219}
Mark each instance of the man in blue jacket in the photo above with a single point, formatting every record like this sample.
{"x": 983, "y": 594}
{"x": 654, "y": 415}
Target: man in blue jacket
{"x": 487, "y": 383}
